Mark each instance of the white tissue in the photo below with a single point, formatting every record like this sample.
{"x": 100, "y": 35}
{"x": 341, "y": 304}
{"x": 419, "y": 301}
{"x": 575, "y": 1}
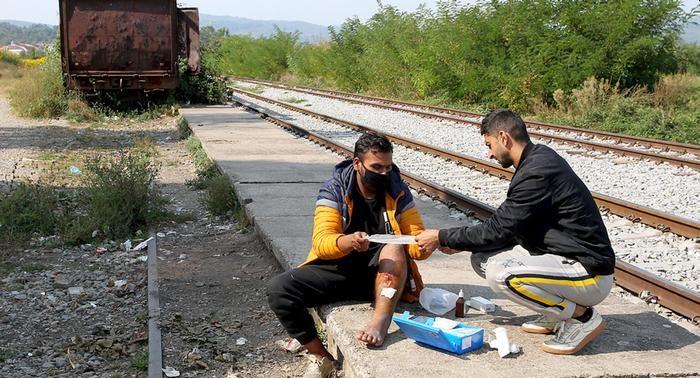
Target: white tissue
{"x": 388, "y": 292}
{"x": 501, "y": 342}
{"x": 444, "y": 323}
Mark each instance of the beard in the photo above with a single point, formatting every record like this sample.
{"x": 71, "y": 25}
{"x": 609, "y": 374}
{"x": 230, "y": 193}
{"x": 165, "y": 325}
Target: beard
{"x": 505, "y": 162}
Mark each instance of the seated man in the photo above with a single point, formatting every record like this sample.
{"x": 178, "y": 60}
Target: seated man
{"x": 564, "y": 262}
{"x": 365, "y": 196}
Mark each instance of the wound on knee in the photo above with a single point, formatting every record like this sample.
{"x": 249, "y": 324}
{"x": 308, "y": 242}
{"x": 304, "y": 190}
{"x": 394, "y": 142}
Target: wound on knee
{"x": 386, "y": 279}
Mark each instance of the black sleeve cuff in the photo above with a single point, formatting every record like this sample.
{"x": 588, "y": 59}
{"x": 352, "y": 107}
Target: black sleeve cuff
{"x": 442, "y": 237}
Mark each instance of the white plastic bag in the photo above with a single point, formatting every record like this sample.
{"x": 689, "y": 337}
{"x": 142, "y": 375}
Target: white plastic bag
{"x": 438, "y": 301}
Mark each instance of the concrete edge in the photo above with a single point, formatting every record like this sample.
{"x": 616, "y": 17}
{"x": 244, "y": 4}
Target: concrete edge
{"x": 155, "y": 350}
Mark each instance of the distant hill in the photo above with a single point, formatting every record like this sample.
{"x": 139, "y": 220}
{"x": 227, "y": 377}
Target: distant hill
{"x": 256, "y": 28}
{"x": 25, "y": 32}
{"x": 17, "y": 23}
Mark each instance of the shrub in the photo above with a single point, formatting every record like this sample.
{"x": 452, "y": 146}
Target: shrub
{"x": 219, "y": 197}
{"x": 670, "y": 112}
{"x": 26, "y": 209}
{"x": 10, "y": 58}
{"x": 120, "y": 192}
{"x": 261, "y": 58}
{"x": 183, "y": 129}
{"x": 206, "y": 87}
{"x": 677, "y": 91}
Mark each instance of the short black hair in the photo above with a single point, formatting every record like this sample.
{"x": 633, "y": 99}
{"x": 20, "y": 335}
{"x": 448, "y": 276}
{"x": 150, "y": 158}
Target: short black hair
{"x": 505, "y": 120}
{"x": 372, "y": 142}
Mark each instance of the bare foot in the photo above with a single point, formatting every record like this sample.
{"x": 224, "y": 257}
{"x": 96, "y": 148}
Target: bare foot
{"x": 374, "y": 332}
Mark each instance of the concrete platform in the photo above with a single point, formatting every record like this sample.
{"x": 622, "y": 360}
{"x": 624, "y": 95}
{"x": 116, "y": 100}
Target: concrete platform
{"x": 277, "y": 176}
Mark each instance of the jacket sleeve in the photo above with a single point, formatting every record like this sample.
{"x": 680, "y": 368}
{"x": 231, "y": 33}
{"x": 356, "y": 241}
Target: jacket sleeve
{"x": 527, "y": 200}
{"x": 328, "y": 227}
{"x": 411, "y": 223}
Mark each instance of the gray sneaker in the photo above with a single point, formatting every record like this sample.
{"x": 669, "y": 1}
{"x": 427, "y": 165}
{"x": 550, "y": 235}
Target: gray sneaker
{"x": 542, "y": 324}
{"x": 572, "y": 335}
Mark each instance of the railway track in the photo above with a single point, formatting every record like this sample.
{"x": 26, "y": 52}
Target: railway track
{"x": 655, "y": 218}
{"x": 668, "y": 294}
{"x": 640, "y": 149}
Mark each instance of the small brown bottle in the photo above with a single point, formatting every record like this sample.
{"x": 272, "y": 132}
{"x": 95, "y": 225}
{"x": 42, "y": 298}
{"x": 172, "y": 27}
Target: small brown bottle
{"x": 459, "y": 305}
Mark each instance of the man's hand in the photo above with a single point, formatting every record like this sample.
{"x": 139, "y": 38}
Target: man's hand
{"x": 428, "y": 241}
{"x": 357, "y": 241}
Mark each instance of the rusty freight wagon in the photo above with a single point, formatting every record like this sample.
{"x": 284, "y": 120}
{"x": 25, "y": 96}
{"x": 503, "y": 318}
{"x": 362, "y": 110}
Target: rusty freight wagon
{"x": 127, "y": 45}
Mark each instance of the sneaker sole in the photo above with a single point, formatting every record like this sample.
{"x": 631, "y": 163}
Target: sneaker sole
{"x": 580, "y": 345}
{"x": 537, "y": 330}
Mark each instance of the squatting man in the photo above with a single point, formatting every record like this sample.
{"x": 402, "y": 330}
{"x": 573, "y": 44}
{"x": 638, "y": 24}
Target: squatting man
{"x": 546, "y": 246}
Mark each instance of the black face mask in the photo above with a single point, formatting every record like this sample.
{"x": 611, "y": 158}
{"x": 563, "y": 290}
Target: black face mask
{"x": 374, "y": 181}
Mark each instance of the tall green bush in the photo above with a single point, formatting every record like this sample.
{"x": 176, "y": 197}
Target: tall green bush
{"x": 496, "y": 53}
{"x": 262, "y": 57}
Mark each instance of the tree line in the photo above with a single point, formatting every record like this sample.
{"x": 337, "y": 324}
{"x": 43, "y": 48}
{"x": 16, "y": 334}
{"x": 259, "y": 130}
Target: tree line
{"x": 36, "y": 33}
{"x": 498, "y": 52}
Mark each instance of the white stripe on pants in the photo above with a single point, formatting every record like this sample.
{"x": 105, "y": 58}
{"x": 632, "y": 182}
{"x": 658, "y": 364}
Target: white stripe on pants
{"x": 548, "y": 284}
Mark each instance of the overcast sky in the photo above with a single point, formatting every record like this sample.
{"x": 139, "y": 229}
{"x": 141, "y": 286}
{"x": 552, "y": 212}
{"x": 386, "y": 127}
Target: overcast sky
{"x": 322, "y": 12}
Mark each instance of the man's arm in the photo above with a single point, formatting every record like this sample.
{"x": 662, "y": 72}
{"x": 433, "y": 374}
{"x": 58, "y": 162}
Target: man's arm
{"x": 528, "y": 199}
{"x": 328, "y": 239}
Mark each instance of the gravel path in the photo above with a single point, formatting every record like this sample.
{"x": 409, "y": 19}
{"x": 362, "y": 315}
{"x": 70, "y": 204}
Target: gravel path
{"x": 668, "y": 255}
{"x": 660, "y": 186}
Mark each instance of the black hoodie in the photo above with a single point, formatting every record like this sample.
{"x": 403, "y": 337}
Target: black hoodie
{"x": 548, "y": 209}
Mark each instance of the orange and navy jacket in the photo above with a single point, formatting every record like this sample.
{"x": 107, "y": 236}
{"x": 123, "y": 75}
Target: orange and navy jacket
{"x": 334, "y": 210}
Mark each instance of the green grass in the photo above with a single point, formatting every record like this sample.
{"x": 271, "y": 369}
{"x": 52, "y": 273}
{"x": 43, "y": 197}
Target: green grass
{"x": 33, "y": 268}
{"x": 257, "y": 89}
{"x": 206, "y": 169}
{"x": 293, "y": 100}
{"x": 219, "y": 196}
{"x": 40, "y": 92}
{"x": 7, "y": 267}
{"x": 183, "y": 129}
{"x": 5, "y": 354}
{"x": 27, "y": 209}
{"x": 140, "y": 361}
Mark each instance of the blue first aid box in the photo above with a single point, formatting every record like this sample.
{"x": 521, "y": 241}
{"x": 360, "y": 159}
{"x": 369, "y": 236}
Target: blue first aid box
{"x": 460, "y": 339}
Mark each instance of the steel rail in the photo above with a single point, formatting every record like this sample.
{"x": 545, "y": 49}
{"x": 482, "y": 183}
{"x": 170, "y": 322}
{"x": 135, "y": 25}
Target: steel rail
{"x": 668, "y": 294}
{"x": 655, "y": 218}
{"x": 678, "y": 147}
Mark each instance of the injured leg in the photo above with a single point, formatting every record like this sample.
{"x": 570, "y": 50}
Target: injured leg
{"x": 389, "y": 283}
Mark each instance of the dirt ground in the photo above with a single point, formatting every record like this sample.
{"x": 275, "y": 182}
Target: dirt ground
{"x": 74, "y": 312}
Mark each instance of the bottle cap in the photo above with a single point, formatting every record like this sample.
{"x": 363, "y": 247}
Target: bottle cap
{"x": 461, "y": 293}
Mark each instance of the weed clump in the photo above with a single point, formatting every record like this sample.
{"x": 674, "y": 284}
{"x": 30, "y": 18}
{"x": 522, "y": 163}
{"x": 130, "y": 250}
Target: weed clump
{"x": 219, "y": 196}
{"x": 117, "y": 196}
{"x": 27, "y": 209}
{"x": 120, "y": 192}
